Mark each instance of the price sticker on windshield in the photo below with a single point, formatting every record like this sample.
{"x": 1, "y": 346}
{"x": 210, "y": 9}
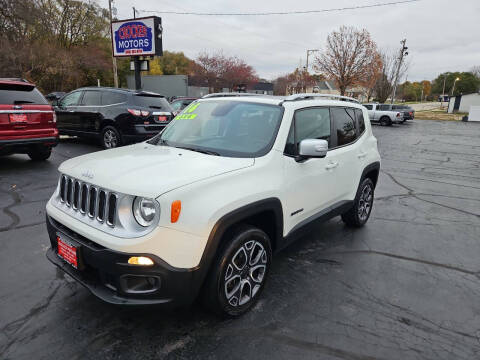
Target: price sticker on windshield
{"x": 188, "y": 114}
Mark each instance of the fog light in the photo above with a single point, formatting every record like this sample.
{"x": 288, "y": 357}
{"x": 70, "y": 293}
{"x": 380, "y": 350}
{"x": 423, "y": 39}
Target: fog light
{"x": 140, "y": 260}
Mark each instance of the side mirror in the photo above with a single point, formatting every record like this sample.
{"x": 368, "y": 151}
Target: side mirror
{"x": 312, "y": 148}
{"x": 55, "y": 102}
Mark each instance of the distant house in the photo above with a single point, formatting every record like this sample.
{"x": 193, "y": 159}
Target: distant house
{"x": 462, "y": 103}
{"x": 265, "y": 88}
{"x": 329, "y": 87}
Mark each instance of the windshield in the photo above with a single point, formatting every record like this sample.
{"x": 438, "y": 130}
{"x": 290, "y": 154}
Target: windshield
{"x": 226, "y": 128}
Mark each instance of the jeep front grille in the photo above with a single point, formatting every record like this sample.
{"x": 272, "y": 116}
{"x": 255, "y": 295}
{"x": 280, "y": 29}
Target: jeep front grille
{"x": 90, "y": 200}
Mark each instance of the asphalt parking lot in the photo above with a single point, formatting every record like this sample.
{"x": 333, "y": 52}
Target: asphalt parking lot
{"x": 406, "y": 286}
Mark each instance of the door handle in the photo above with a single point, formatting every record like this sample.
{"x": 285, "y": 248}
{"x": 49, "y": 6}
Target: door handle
{"x": 331, "y": 165}
{"x": 362, "y": 155}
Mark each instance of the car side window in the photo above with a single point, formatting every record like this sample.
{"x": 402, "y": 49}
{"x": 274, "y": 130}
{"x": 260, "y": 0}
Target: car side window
{"x": 311, "y": 123}
{"x": 369, "y": 107}
{"x": 71, "y": 99}
{"x": 91, "y": 98}
{"x": 113, "y": 97}
{"x": 384, "y": 107}
{"x": 344, "y": 125}
{"x": 360, "y": 121}
{"x": 177, "y": 105}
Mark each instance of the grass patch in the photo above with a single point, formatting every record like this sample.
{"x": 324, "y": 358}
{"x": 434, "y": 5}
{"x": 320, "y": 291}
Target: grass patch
{"x": 438, "y": 114}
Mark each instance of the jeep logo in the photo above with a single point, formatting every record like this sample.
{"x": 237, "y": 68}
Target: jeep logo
{"x": 87, "y": 174}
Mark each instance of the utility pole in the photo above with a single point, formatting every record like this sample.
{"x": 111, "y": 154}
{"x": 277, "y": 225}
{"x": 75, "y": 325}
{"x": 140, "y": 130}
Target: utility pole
{"x": 136, "y": 63}
{"x": 308, "y": 54}
{"x": 403, "y": 52}
{"x": 114, "y": 59}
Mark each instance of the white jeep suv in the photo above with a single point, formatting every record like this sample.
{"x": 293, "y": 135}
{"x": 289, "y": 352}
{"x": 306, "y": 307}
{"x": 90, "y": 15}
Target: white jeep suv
{"x": 200, "y": 208}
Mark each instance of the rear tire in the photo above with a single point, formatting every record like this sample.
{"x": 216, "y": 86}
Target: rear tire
{"x": 239, "y": 272}
{"x": 111, "y": 137}
{"x": 40, "y": 153}
{"x": 360, "y": 212}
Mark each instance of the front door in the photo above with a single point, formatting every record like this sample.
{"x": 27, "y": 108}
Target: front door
{"x": 309, "y": 184}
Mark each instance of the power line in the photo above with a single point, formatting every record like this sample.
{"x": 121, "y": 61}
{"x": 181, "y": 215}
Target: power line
{"x": 280, "y": 13}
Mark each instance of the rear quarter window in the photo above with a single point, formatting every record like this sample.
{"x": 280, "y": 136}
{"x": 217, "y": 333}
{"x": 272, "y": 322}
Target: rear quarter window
{"x": 19, "y": 94}
{"x": 113, "y": 97}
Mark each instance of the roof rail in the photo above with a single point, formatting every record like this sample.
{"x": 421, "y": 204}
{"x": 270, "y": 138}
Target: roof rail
{"x": 14, "y": 79}
{"x": 311, "y": 96}
{"x": 228, "y": 94}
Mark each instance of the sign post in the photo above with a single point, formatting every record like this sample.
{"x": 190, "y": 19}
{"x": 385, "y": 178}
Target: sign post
{"x": 140, "y": 37}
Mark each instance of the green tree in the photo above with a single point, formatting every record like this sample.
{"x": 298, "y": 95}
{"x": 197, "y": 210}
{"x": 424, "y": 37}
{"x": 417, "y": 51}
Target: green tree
{"x": 467, "y": 83}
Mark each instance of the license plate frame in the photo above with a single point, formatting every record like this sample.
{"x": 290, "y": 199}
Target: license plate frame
{"x": 69, "y": 251}
{"x": 161, "y": 118}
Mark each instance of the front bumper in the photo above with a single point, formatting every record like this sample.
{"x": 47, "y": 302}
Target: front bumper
{"x": 107, "y": 274}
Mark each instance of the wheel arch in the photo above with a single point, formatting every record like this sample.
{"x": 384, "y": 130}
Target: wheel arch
{"x": 265, "y": 214}
{"x": 371, "y": 171}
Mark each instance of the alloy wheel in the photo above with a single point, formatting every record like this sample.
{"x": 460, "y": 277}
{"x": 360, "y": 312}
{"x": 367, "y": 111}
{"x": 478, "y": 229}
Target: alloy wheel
{"x": 245, "y": 273}
{"x": 365, "y": 202}
{"x": 110, "y": 139}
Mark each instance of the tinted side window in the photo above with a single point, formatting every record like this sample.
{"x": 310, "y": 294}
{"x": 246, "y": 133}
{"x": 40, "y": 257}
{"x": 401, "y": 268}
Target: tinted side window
{"x": 369, "y": 107}
{"x": 71, "y": 99}
{"x": 360, "y": 120}
{"x": 344, "y": 125}
{"x": 384, "y": 107}
{"x": 112, "y": 97}
{"x": 91, "y": 98}
{"x": 312, "y": 124}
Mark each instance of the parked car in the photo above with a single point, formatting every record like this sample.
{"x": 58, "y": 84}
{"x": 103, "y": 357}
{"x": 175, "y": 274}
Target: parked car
{"x": 27, "y": 121}
{"x": 383, "y": 114}
{"x": 408, "y": 112}
{"x": 55, "y": 96}
{"x": 201, "y": 207}
{"x": 114, "y": 116}
{"x": 178, "y": 104}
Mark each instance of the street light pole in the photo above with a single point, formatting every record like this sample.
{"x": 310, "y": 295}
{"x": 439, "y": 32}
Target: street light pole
{"x": 403, "y": 52}
{"x": 114, "y": 59}
{"x": 453, "y": 88}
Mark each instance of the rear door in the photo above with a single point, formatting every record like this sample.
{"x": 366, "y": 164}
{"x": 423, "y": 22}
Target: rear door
{"x": 24, "y": 113}
{"x": 66, "y": 112}
{"x": 344, "y": 154}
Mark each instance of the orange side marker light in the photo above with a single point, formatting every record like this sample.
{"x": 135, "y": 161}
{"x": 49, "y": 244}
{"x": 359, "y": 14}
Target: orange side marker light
{"x": 176, "y": 209}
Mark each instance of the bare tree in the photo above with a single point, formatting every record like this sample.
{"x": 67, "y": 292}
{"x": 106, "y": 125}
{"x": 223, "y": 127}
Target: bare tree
{"x": 348, "y": 57}
{"x": 384, "y": 84}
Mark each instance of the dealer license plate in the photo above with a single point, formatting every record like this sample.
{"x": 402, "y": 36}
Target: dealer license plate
{"x": 18, "y": 118}
{"x": 67, "y": 251}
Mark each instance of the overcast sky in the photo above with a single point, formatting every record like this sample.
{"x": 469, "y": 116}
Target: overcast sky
{"x": 442, "y": 35}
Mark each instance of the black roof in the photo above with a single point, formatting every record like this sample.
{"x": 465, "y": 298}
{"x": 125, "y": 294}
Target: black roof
{"x": 129, "y": 91}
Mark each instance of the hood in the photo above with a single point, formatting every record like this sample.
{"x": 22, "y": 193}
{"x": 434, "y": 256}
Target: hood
{"x": 148, "y": 170}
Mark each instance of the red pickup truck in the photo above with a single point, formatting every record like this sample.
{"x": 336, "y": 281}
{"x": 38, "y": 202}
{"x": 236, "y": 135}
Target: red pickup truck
{"x": 27, "y": 120}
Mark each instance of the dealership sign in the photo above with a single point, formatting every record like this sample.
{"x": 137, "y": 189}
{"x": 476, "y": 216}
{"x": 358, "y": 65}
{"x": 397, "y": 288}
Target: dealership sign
{"x": 137, "y": 37}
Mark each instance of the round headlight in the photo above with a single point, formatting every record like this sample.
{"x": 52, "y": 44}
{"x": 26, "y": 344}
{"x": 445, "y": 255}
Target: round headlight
{"x": 144, "y": 211}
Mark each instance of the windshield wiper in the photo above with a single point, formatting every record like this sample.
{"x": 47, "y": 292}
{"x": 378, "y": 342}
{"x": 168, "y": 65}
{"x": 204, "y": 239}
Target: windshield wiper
{"x": 208, "y": 152}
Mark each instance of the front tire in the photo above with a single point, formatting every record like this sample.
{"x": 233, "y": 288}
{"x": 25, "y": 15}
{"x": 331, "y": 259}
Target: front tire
{"x": 239, "y": 273}
{"x": 40, "y": 153}
{"x": 385, "y": 121}
{"x": 360, "y": 212}
{"x": 111, "y": 137}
